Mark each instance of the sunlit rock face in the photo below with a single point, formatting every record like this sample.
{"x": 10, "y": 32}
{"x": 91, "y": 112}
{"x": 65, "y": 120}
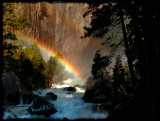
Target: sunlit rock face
{"x": 60, "y": 27}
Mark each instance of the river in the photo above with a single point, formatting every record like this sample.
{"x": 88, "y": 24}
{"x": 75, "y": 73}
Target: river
{"x": 69, "y": 105}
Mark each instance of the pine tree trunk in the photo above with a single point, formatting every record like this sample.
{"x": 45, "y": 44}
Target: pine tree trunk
{"x": 153, "y": 62}
{"x": 127, "y": 47}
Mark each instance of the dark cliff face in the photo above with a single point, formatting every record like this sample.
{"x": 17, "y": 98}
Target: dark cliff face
{"x": 60, "y": 26}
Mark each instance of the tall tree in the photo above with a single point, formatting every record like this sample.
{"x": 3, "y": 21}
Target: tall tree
{"x": 142, "y": 54}
{"x": 118, "y": 72}
{"x": 100, "y": 75}
{"x": 99, "y": 66}
{"x": 118, "y": 13}
{"x": 55, "y": 70}
{"x": 11, "y": 23}
{"x": 152, "y": 49}
{"x": 121, "y": 89}
{"x": 112, "y": 14}
{"x": 51, "y": 70}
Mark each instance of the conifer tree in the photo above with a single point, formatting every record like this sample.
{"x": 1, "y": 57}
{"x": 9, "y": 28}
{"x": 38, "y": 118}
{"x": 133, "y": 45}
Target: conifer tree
{"x": 118, "y": 72}
{"x": 99, "y": 65}
{"x": 11, "y": 23}
{"x": 100, "y": 74}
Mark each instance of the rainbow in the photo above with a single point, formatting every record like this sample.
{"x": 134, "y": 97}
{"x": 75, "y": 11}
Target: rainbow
{"x": 68, "y": 66}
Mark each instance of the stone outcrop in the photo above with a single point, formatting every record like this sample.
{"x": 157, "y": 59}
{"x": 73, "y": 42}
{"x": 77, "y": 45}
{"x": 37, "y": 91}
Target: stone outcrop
{"x": 72, "y": 89}
{"x": 28, "y": 97}
{"x": 41, "y": 106}
{"x": 50, "y": 96}
{"x": 12, "y": 89}
{"x": 88, "y": 96}
{"x": 101, "y": 98}
{"x": 91, "y": 97}
{"x": 59, "y": 27}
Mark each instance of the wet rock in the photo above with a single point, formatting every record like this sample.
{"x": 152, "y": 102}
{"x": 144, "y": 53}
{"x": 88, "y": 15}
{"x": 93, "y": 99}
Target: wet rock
{"x": 101, "y": 107}
{"x": 88, "y": 96}
{"x": 41, "y": 106}
{"x": 12, "y": 88}
{"x": 50, "y": 96}
{"x": 13, "y": 98}
{"x": 100, "y": 98}
{"x": 91, "y": 97}
{"x": 78, "y": 86}
{"x": 28, "y": 97}
{"x": 73, "y": 89}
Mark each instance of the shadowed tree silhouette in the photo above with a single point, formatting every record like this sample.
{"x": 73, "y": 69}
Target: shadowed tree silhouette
{"x": 142, "y": 54}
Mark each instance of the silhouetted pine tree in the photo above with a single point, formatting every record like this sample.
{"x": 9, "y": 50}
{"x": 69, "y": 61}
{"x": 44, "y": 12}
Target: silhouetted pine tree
{"x": 100, "y": 74}
{"x": 99, "y": 65}
{"x": 118, "y": 72}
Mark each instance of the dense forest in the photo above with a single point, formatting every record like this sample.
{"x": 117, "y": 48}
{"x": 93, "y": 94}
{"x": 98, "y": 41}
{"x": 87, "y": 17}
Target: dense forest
{"x": 136, "y": 96}
{"x": 24, "y": 58}
{"x": 134, "y": 91}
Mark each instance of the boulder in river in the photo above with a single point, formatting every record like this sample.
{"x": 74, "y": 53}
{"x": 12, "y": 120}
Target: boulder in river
{"x": 101, "y": 98}
{"x": 12, "y": 89}
{"x": 73, "y": 89}
{"x": 28, "y": 97}
{"x": 91, "y": 97}
{"x": 41, "y": 106}
{"x": 88, "y": 96}
{"x": 50, "y": 96}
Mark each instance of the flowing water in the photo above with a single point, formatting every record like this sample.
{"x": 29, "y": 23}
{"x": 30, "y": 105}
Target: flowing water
{"x": 69, "y": 105}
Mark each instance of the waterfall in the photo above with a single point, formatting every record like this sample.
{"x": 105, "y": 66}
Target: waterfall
{"x": 21, "y": 101}
{"x": 27, "y": 101}
{"x": 98, "y": 107}
{"x": 22, "y": 104}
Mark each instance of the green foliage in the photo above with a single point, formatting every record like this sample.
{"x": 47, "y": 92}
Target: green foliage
{"x": 105, "y": 17}
{"x": 8, "y": 35}
{"x": 126, "y": 71}
{"x": 12, "y": 22}
{"x": 25, "y": 71}
{"x": 8, "y": 58}
{"x": 99, "y": 13}
{"x": 122, "y": 86}
{"x": 54, "y": 70}
{"x": 34, "y": 55}
{"x": 118, "y": 72}
{"x": 51, "y": 70}
{"x": 100, "y": 74}
{"x": 99, "y": 65}
{"x": 37, "y": 66}
{"x": 28, "y": 65}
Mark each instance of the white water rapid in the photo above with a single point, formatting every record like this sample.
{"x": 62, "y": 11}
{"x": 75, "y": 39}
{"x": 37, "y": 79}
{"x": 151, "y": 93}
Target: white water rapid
{"x": 68, "y": 105}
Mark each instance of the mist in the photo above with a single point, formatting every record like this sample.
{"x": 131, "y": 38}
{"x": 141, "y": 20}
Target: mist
{"x": 59, "y": 26}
